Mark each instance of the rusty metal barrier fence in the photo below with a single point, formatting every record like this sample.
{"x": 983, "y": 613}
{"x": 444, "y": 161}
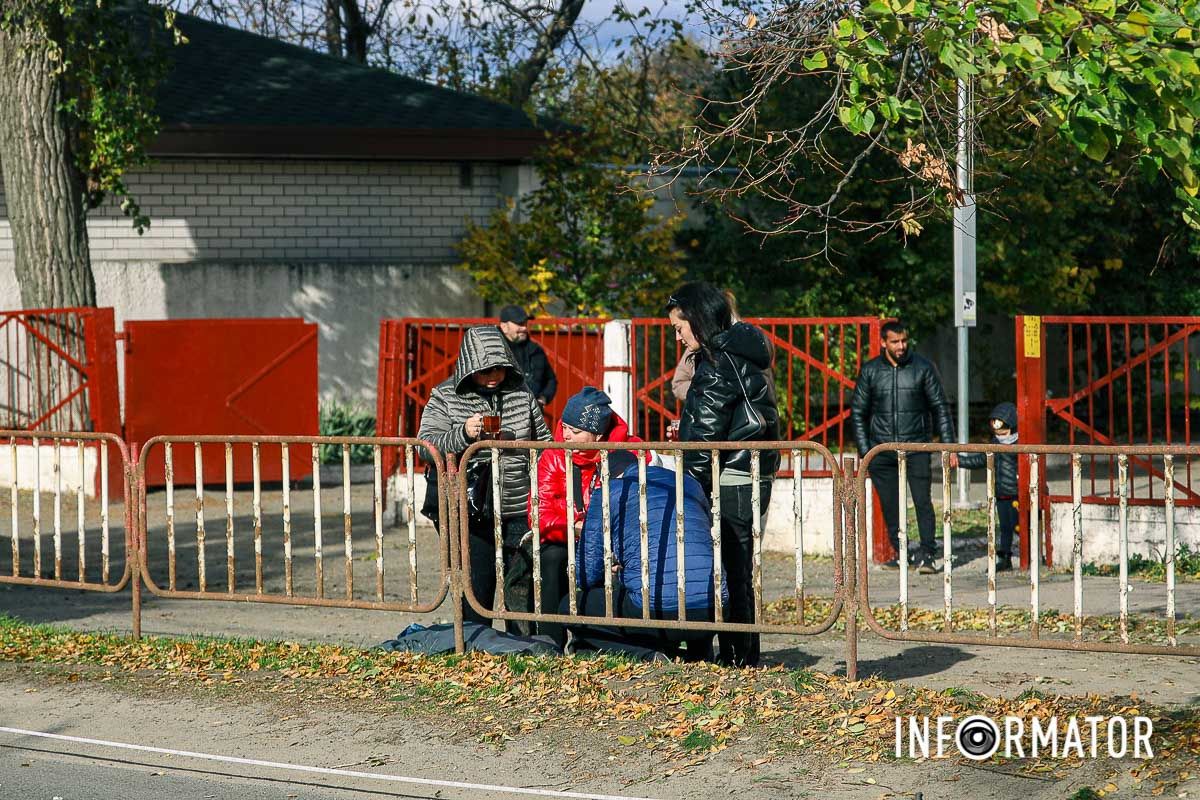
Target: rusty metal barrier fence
{"x": 280, "y": 529}
{"x": 1037, "y": 458}
{"x": 271, "y": 536}
{"x": 530, "y": 453}
{"x": 76, "y": 550}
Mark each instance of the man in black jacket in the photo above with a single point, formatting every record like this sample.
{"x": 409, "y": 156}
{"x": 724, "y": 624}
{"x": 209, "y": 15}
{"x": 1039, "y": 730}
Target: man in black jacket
{"x": 531, "y": 358}
{"x": 897, "y": 396}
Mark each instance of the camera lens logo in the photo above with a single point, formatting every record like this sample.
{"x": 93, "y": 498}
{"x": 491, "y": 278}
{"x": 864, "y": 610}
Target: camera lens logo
{"x": 977, "y": 738}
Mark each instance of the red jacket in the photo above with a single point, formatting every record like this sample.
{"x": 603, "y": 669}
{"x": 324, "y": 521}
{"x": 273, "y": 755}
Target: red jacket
{"x": 552, "y": 482}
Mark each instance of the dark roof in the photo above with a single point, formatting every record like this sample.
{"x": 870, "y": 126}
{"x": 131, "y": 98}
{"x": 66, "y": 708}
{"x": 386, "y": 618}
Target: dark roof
{"x": 234, "y": 93}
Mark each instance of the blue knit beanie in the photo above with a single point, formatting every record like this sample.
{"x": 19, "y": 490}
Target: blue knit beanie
{"x": 590, "y": 410}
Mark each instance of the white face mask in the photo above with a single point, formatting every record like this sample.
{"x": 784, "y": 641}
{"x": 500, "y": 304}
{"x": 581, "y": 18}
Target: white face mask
{"x": 1009, "y": 438}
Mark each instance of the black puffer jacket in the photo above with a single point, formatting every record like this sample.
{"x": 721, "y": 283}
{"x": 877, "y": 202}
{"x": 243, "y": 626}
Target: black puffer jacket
{"x": 896, "y": 403}
{"x": 1007, "y": 483}
{"x": 715, "y": 402}
{"x": 539, "y": 375}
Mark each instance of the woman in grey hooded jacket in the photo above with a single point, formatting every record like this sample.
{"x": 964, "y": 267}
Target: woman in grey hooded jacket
{"x": 487, "y": 381}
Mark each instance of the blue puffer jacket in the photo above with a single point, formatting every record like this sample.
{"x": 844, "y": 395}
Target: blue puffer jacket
{"x": 626, "y": 541}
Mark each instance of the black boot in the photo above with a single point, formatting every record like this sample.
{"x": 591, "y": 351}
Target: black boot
{"x": 1003, "y": 562}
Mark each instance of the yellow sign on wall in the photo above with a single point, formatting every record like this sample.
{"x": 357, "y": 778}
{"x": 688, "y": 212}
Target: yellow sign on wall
{"x": 1033, "y": 337}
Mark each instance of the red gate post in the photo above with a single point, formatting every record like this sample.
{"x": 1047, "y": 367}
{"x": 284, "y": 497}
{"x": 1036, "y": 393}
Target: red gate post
{"x": 103, "y": 390}
{"x": 389, "y": 406}
{"x": 1031, "y": 409}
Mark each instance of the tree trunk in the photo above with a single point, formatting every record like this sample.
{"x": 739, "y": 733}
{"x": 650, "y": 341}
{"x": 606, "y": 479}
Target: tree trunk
{"x": 527, "y": 74}
{"x": 333, "y": 28}
{"x": 43, "y": 189}
{"x": 357, "y": 31}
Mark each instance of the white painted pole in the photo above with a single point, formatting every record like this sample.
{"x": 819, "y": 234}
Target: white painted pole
{"x": 618, "y": 381}
{"x": 965, "y": 308}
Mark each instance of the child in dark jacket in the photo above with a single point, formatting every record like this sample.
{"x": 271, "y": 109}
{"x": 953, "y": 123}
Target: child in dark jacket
{"x": 1003, "y": 424}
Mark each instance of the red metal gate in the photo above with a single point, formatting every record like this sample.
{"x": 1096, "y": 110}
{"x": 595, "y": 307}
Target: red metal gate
{"x": 221, "y": 376}
{"x": 416, "y": 355}
{"x": 1108, "y": 381}
{"x": 58, "y": 370}
{"x": 816, "y": 363}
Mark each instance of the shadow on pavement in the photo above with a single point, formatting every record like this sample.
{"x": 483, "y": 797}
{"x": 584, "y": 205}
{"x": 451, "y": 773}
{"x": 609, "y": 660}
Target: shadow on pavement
{"x": 914, "y": 662}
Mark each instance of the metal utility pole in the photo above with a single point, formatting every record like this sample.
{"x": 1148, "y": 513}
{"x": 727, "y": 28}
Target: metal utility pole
{"x": 965, "y": 307}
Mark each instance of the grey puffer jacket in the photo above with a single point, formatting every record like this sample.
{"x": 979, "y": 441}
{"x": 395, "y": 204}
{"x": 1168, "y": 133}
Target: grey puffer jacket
{"x": 457, "y": 398}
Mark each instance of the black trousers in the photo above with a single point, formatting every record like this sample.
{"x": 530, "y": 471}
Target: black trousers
{"x": 688, "y": 645}
{"x": 518, "y": 571}
{"x": 1009, "y": 518}
{"x": 885, "y": 476}
{"x": 737, "y": 562}
{"x": 554, "y": 589}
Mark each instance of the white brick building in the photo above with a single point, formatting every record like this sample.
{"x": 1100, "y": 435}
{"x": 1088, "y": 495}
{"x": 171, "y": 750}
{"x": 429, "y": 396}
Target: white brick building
{"x": 289, "y": 183}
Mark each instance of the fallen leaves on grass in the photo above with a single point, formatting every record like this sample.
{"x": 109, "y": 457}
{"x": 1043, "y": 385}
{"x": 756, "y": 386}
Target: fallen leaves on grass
{"x": 1141, "y": 628}
{"x": 683, "y": 711}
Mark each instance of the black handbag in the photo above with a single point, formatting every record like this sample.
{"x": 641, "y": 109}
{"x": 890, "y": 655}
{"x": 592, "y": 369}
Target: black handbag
{"x": 746, "y": 424}
{"x": 479, "y": 492}
{"x": 429, "y": 508}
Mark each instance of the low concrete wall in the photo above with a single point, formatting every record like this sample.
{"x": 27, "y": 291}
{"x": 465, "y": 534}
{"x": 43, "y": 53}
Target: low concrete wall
{"x": 1101, "y": 531}
{"x": 817, "y": 504}
{"x": 816, "y": 517}
{"x": 36, "y": 469}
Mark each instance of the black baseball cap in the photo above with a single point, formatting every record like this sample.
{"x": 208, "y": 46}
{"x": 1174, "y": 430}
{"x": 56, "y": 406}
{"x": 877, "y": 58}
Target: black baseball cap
{"x": 514, "y": 314}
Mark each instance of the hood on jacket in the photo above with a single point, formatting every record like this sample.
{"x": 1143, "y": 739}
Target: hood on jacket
{"x": 1007, "y": 412}
{"x": 746, "y": 341}
{"x": 484, "y": 347}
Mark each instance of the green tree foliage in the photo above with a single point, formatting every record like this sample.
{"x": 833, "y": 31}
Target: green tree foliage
{"x": 1060, "y": 229}
{"x": 578, "y": 241}
{"x": 585, "y": 239}
{"x": 1110, "y": 78}
{"x": 1056, "y": 234}
{"x": 108, "y": 57}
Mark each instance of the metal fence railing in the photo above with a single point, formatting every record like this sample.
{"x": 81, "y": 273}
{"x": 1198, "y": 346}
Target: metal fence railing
{"x": 299, "y": 543}
{"x": 64, "y": 530}
{"x": 1114, "y": 382}
{"x": 817, "y": 360}
{"x": 653, "y": 536}
{"x": 416, "y": 354}
{"x": 274, "y": 539}
{"x": 58, "y": 370}
{"x": 1039, "y": 461}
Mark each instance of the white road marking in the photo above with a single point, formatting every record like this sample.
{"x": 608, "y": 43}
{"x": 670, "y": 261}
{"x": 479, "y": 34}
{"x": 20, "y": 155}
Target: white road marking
{"x": 254, "y": 762}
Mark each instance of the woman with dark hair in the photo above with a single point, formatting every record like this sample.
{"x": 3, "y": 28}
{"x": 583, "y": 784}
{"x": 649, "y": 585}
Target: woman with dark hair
{"x": 732, "y": 398}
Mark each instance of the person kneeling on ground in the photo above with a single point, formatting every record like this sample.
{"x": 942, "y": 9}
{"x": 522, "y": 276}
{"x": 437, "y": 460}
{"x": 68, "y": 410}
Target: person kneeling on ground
{"x": 587, "y": 417}
{"x": 625, "y": 526}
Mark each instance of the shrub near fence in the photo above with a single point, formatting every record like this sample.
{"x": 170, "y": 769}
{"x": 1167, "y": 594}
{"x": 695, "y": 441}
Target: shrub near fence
{"x": 340, "y": 418}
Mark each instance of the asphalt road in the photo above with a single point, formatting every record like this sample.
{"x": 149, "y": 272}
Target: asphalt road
{"x": 36, "y": 768}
